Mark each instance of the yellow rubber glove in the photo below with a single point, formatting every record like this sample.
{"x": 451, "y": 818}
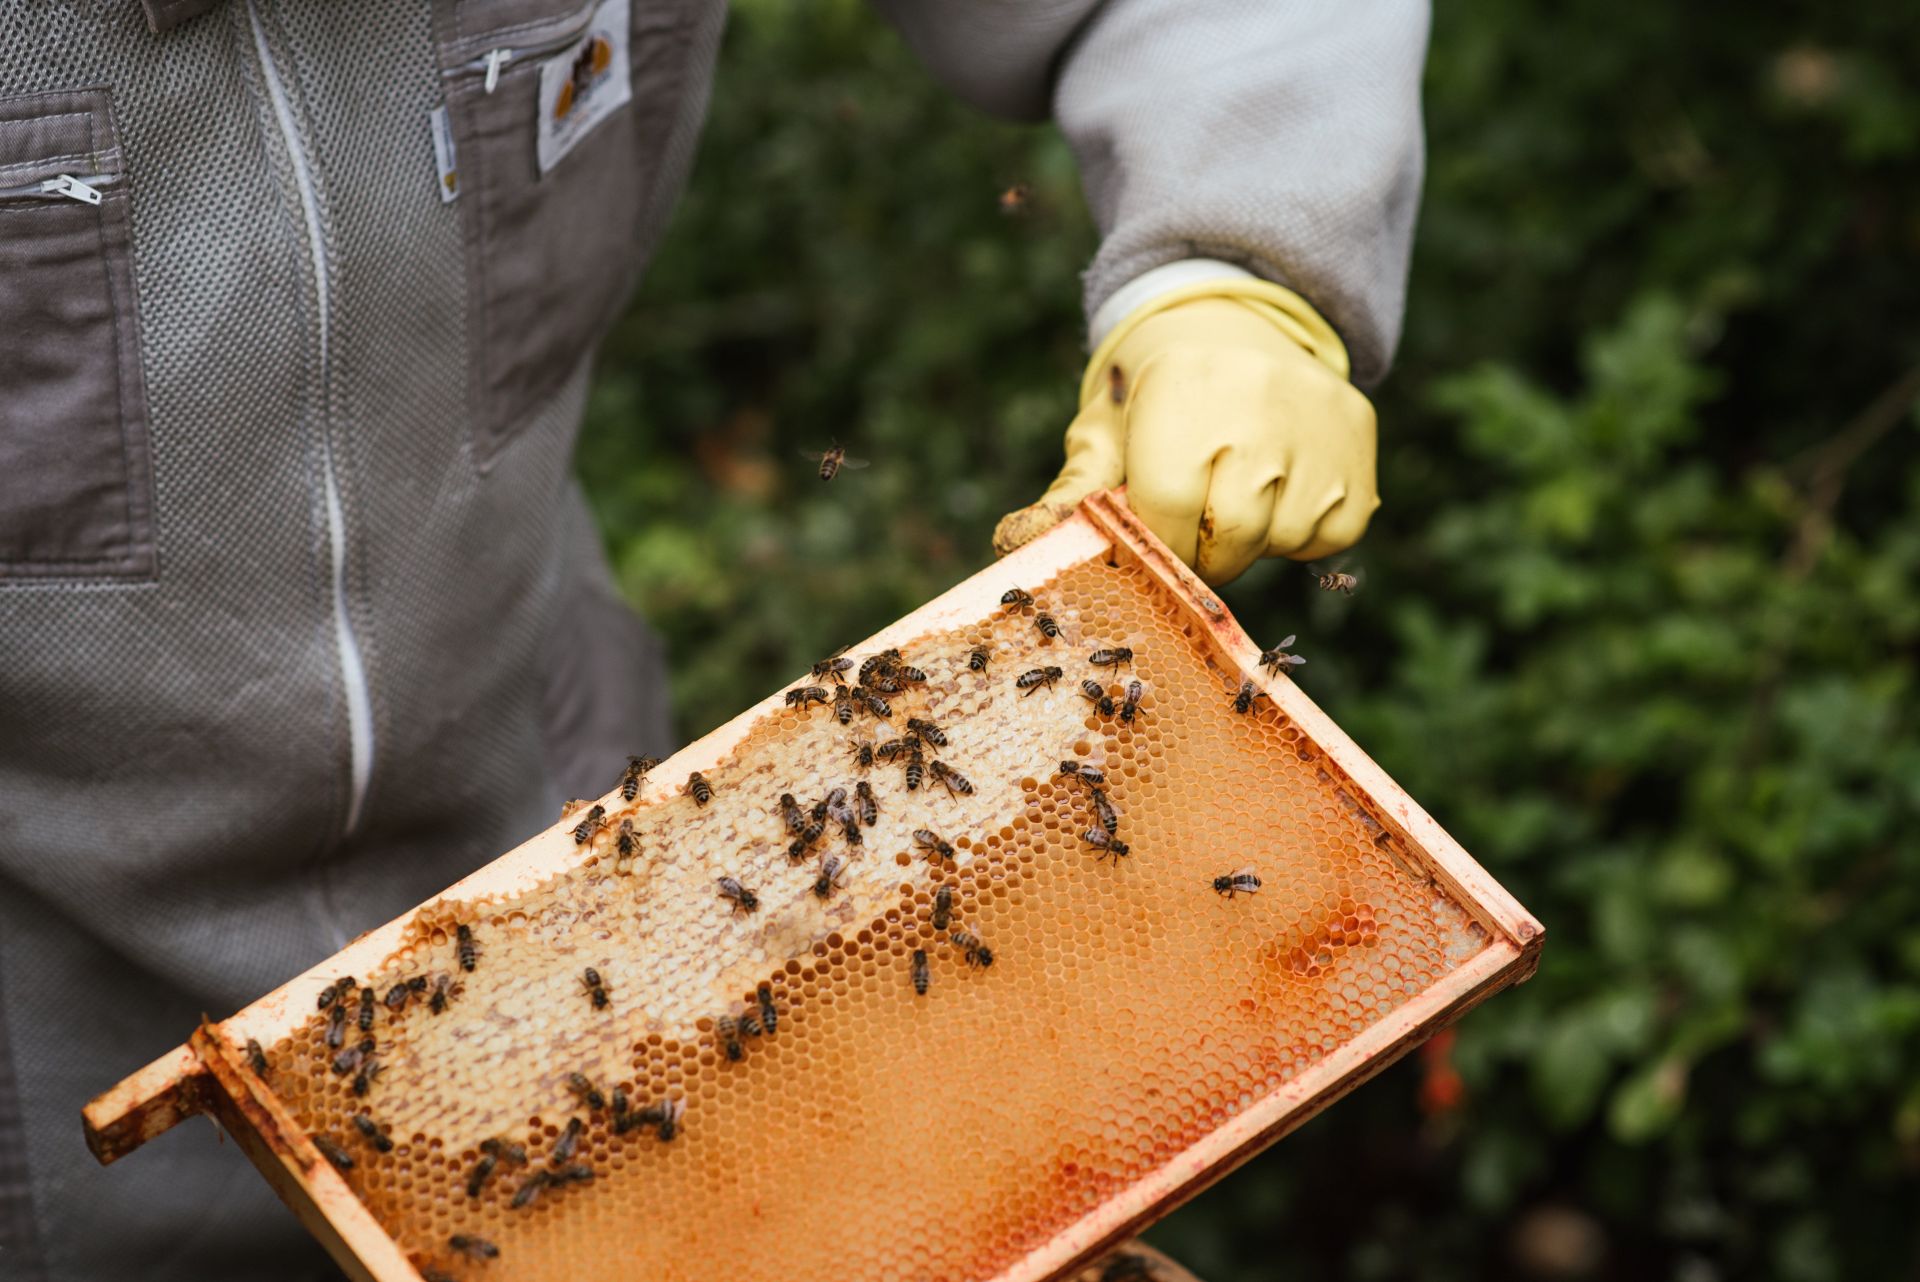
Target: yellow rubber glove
{"x": 1233, "y": 425}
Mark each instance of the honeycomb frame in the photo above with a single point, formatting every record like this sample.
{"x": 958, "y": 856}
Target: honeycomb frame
{"x": 211, "y": 1073}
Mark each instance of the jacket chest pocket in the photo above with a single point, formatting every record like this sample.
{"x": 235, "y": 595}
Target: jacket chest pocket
{"x": 76, "y": 491}
{"x": 559, "y": 113}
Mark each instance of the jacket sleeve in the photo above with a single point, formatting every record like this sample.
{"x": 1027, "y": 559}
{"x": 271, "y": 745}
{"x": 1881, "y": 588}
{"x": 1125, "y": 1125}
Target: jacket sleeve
{"x": 1281, "y": 135}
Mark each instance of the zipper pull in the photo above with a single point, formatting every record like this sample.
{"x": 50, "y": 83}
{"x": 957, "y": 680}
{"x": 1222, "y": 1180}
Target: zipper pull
{"x": 72, "y": 188}
{"x": 496, "y": 59}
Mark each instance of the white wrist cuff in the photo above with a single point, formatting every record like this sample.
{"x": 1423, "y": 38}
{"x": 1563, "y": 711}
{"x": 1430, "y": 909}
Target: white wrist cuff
{"x": 1151, "y": 284}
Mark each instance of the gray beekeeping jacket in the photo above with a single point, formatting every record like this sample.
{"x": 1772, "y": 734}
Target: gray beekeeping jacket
{"x": 301, "y": 615}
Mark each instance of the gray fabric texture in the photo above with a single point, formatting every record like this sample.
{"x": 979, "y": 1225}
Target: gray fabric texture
{"x": 374, "y": 642}
{"x": 1282, "y": 135}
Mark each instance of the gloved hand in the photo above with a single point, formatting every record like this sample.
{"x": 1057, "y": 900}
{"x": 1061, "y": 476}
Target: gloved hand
{"x": 1226, "y": 410}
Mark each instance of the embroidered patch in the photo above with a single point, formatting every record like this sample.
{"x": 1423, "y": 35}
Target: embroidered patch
{"x": 584, "y": 83}
{"x": 443, "y": 153}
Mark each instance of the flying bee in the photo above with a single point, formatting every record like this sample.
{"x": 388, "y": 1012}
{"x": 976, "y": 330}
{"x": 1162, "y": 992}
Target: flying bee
{"x": 910, "y": 675}
{"x": 1338, "y": 581}
{"x": 337, "y": 1026}
{"x": 367, "y": 1003}
{"x": 585, "y": 1091}
{"x": 1106, "y": 843}
{"x": 1277, "y": 658}
{"x": 1016, "y": 598}
{"x": 743, "y": 900}
{"x": 942, "y": 908}
{"x": 365, "y": 1124}
{"x": 1033, "y": 679}
{"x": 569, "y": 1141}
{"x": 1015, "y": 199}
{"x": 1243, "y": 701}
{"x": 920, "y": 975}
{"x": 1103, "y": 811}
{"x": 863, "y": 753}
{"x": 916, "y": 773}
{"x": 769, "y": 1017}
{"x": 873, "y": 703}
{"x": 596, "y": 820}
{"x": 1114, "y": 659}
{"x": 951, "y": 779}
{"x": 699, "y": 789}
{"x": 529, "y": 1189}
{"x": 977, "y": 659}
{"x": 831, "y": 461}
{"x": 1097, "y": 695}
{"x": 333, "y": 1152}
{"x": 843, "y": 705}
{"x": 1241, "y": 882}
{"x": 866, "y": 803}
{"x": 805, "y": 695}
{"x": 1116, "y": 385}
{"x": 596, "y": 990}
{"x": 442, "y": 991}
{"x": 1048, "y": 628}
{"x": 481, "y": 1172}
{"x": 469, "y": 952}
{"x": 256, "y": 1058}
{"x": 833, "y": 669}
{"x": 338, "y": 989}
{"x": 474, "y": 1248}
{"x": 975, "y": 952}
{"x": 933, "y": 843}
{"x": 506, "y": 1150}
{"x": 1130, "y": 708}
{"x": 831, "y": 868}
{"x": 928, "y": 731}
{"x": 1086, "y": 774}
{"x": 627, "y": 845}
{"x": 726, "y": 1031}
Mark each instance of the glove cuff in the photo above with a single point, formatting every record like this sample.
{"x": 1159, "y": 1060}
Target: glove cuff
{"x": 1293, "y": 315}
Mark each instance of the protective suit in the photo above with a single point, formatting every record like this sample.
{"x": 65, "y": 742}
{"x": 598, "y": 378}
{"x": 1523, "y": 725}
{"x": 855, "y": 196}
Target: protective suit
{"x": 301, "y": 613}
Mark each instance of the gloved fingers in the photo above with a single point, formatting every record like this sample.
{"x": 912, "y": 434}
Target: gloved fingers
{"x": 1096, "y": 460}
{"x": 1338, "y": 530}
{"x": 1237, "y": 520}
{"x": 1309, "y": 495}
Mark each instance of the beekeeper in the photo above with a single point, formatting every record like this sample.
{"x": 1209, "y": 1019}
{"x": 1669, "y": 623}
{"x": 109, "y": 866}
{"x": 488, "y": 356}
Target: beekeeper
{"x": 302, "y": 615}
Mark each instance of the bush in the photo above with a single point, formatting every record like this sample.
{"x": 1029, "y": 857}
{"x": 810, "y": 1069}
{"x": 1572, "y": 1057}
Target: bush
{"x": 1639, "y": 621}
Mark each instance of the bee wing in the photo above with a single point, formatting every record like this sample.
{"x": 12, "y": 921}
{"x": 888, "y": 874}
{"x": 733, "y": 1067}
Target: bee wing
{"x": 1243, "y": 872}
{"x": 853, "y": 464}
{"x": 1286, "y": 641}
{"x": 812, "y": 456}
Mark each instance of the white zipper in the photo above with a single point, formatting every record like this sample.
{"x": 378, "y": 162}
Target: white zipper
{"x": 493, "y": 61}
{"x": 64, "y": 186}
{"x": 353, "y": 672}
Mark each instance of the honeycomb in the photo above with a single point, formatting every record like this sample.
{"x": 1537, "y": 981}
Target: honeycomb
{"x": 875, "y": 1132}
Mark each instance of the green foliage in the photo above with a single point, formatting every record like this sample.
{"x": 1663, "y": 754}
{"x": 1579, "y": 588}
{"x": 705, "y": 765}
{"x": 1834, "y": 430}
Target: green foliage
{"x": 1641, "y": 613}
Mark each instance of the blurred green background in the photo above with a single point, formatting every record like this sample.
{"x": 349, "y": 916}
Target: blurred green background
{"x": 1641, "y": 613}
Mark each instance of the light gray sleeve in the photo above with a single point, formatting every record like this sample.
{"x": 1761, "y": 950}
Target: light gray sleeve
{"x": 1283, "y": 135}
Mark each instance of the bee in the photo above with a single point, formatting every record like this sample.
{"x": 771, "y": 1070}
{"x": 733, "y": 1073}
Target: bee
{"x": 977, "y": 659}
{"x": 1242, "y": 882}
{"x": 750, "y": 1024}
{"x": 1015, "y": 199}
{"x": 1131, "y": 707}
{"x": 365, "y": 1124}
{"x": 743, "y": 900}
{"x": 790, "y": 813}
{"x": 867, "y": 804}
{"x": 256, "y": 1058}
{"x": 769, "y": 1017}
{"x": 1103, "y": 811}
{"x": 1277, "y": 658}
{"x": 831, "y": 461}
{"x": 1086, "y": 774}
{"x": 636, "y": 773}
{"x": 942, "y": 907}
{"x": 628, "y": 845}
{"x": 843, "y": 705}
{"x": 888, "y": 682}
{"x": 367, "y": 1002}
{"x": 951, "y": 779}
{"x": 585, "y": 1091}
{"x": 1128, "y": 1267}
{"x": 805, "y": 695}
{"x": 916, "y": 773}
{"x": 873, "y": 703}
{"x": 1243, "y": 701}
{"x": 333, "y": 1152}
{"x": 665, "y": 1115}
{"x": 831, "y": 868}
{"x": 529, "y": 1189}
{"x": 1338, "y": 582}
{"x": 363, "y": 1080}
{"x": 482, "y": 1171}
{"x": 597, "y": 991}
{"x": 351, "y": 1057}
{"x": 337, "y": 1026}
{"x": 699, "y": 789}
{"x": 1106, "y": 843}
{"x": 506, "y": 1150}
{"x": 833, "y": 668}
{"x": 1048, "y": 628}
{"x": 1016, "y": 599}
{"x": 336, "y": 990}
{"x": 927, "y": 731}
{"x": 975, "y": 952}
{"x": 397, "y": 996}
{"x": 893, "y": 749}
{"x": 910, "y": 675}
{"x": 920, "y": 975}
{"x": 1035, "y": 678}
{"x": 1118, "y": 657}
{"x": 797, "y": 849}
{"x": 596, "y": 820}
{"x": 1097, "y": 695}
{"x": 1116, "y": 385}
{"x": 851, "y": 831}
{"x": 937, "y": 847}
{"x": 577, "y": 1173}
{"x": 442, "y": 991}
{"x": 474, "y": 1248}
{"x": 469, "y": 953}
{"x": 863, "y": 753}
{"x": 569, "y": 1141}
{"x": 873, "y": 664}
{"x": 834, "y": 806}
{"x": 726, "y": 1031}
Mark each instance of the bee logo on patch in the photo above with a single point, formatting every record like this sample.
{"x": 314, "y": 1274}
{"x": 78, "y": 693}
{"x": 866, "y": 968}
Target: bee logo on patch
{"x": 589, "y": 70}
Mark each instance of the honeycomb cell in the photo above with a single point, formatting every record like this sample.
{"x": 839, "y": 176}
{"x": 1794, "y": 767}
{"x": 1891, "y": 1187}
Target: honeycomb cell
{"x": 1127, "y": 1010}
